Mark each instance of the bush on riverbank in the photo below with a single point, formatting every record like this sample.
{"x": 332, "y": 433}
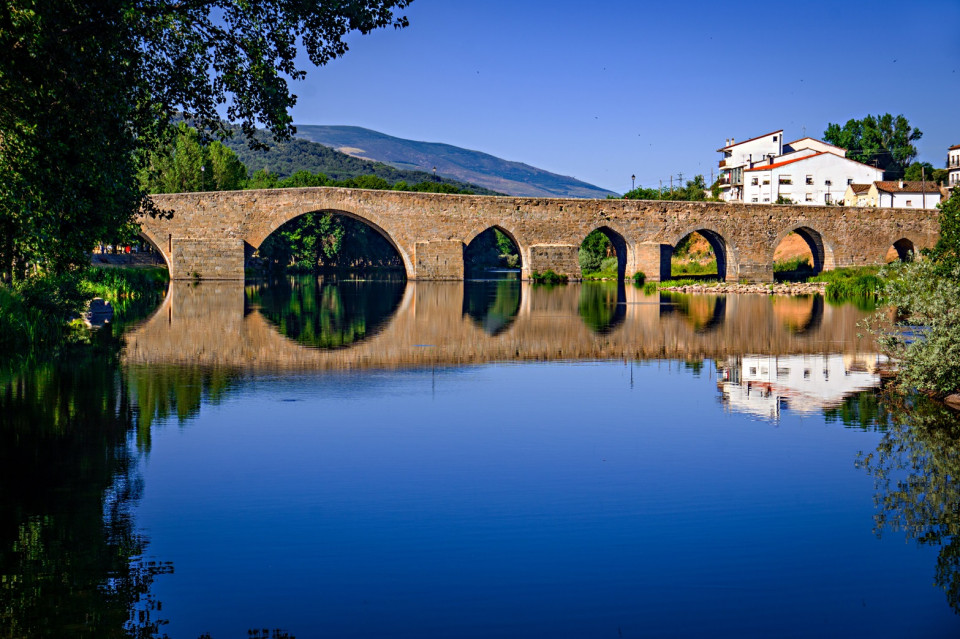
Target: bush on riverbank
{"x": 925, "y": 334}
{"x": 35, "y": 315}
{"x": 548, "y": 277}
{"x": 852, "y": 283}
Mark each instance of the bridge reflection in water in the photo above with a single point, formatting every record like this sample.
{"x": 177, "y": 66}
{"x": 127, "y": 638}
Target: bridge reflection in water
{"x": 417, "y": 324}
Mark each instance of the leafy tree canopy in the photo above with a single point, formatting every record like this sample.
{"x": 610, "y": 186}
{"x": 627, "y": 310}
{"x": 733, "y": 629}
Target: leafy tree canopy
{"x": 693, "y": 191}
{"x": 88, "y": 88}
{"x": 885, "y": 141}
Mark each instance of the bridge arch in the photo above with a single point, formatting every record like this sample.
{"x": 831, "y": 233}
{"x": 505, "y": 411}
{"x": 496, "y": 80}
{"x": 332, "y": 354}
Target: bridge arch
{"x": 478, "y": 230}
{"x": 724, "y": 250}
{"x": 820, "y": 247}
{"x": 365, "y": 218}
{"x": 903, "y": 249}
{"x": 620, "y": 246}
{"x": 159, "y": 246}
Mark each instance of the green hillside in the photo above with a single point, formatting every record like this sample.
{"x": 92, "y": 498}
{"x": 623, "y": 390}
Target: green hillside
{"x": 286, "y": 158}
{"x": 473, "y": 167}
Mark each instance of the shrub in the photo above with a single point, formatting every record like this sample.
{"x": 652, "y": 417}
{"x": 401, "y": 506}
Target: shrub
{"x": 639, "y": 278}
{"x": 548, "y": 277}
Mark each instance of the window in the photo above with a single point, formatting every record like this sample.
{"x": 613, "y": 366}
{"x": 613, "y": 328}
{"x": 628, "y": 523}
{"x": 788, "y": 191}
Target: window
{"x": 766, "y": 199}
{"x": 754, "y": 181}
{"x": 766, "y": 180}
{"x": 808, "y": 197}
{"x": 786, "y": 179}
{"x": 828, "y": 182}
{"x": 827, "y": 198}
{"x": 849, "y": 181}
{"x": 806, "y": 373}
{"x": 909, "y": 203}
{"x": 753, "y": 370}
{"x": 753, "y": 199}
{"x": 810, "y": 179}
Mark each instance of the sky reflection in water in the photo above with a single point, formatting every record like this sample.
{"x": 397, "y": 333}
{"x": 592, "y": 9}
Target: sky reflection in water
{"x": 438, "y": 478}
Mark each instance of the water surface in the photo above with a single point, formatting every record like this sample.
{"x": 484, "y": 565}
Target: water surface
{"x": 437, "y": 460}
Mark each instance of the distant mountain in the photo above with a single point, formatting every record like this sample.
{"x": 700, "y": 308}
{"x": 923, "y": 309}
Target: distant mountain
{"x": 474, "y": 167}
{"x": 286, "y": 158}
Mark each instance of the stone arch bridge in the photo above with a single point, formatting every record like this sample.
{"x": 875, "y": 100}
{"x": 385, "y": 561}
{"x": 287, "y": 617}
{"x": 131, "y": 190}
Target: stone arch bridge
{"x": 209, "y": 235}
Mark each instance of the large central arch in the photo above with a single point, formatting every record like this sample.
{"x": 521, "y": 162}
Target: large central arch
{"x": 254, "y": 242}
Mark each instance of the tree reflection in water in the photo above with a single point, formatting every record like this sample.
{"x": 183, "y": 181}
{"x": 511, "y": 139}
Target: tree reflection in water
{"x": 322, "y": 312}
{"x": 602, "y": 305}
{"x": 916, "y": 471}
{"x": 72, "y": 562}
{"x": 492, "y": 304}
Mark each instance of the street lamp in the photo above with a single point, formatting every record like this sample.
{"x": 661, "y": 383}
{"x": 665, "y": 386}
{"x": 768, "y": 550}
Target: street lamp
{"x": 434, "y": 174}
{"x": 203, "y": 182}
{"x": 633, "y": 180}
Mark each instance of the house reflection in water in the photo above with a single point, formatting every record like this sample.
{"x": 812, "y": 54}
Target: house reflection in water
{"x": 764, "y": 385}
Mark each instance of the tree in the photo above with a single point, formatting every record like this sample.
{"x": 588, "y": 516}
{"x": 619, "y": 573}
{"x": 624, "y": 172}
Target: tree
{"x": 89, "y": 87}
{"x": 885, "y": 141}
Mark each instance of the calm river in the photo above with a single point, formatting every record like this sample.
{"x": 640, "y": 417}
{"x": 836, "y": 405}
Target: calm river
{"x": 308, "y": 458}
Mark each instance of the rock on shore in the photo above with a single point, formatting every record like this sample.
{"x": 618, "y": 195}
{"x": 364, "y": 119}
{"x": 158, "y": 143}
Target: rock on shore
{"x": 723, "y": 288}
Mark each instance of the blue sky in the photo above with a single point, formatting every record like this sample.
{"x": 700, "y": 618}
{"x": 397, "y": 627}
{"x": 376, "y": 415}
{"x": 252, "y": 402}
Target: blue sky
{"x": 605, "y": 89}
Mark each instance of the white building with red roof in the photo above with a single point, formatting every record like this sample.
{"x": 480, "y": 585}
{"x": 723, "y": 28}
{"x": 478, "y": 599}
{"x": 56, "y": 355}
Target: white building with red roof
{"x": 765, "y": 169}
{"x": 820, "y": 177}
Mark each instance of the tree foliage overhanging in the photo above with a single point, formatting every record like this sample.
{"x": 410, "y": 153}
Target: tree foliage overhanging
{"x": 88, "y": 87}
{"x": 885, "y": 141}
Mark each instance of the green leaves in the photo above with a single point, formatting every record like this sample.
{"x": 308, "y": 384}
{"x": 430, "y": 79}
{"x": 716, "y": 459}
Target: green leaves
{"x": 885, "y": 141}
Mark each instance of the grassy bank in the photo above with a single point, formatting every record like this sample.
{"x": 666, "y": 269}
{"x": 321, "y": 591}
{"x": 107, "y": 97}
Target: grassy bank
{"x": 859, "y": 284}
{"x": 39, "y": 315}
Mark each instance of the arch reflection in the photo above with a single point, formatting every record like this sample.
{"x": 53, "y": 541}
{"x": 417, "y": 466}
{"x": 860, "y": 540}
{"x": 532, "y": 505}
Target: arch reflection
{"x": 704, "y": 313}
{"x": 326, "y": 312}
{"x": 602, "y": 305}
{"x": 493, "y": 305}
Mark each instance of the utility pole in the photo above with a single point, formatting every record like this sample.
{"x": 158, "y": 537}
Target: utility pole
{"x": 923, "y": 184}
{"x": 671, "y": 185}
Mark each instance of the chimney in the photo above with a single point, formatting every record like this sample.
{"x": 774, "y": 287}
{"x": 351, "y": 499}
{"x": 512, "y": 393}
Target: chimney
{"x": 732, "y": 141}
{"x": 901, "y": 185}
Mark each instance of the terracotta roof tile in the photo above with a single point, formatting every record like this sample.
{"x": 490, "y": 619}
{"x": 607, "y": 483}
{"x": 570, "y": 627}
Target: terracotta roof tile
{"x": 890, "y": 186}
{"x": 860, "y": 188}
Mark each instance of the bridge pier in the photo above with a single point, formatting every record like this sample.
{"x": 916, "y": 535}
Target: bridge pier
{"x": 562, "y": 259}
{"x": 206, "y": 259}
{"x": 653, "y": 258}
{"x": 438, "y": 260}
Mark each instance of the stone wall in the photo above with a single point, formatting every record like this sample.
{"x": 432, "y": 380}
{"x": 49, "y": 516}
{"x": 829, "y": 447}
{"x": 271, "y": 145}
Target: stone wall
{"x": 430, "y": 230}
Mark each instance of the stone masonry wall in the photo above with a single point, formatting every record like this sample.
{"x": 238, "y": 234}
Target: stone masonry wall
{"x": 426, "y": 228}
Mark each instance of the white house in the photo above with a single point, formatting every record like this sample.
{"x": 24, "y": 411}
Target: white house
{"x": 818, "y": 178}
{"x": 953, "y": 165}
{"x": 766, "y": 169}
{"x": 904, "y": 195}
{"x": 740, "y": 155}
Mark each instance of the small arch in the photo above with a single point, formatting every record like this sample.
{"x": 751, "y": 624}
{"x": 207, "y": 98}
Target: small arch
{"x": 722, "y": 251}
{"x": 356, "y": 225}
{"x": 146, "y": 235}
{"x": 902, "y": 250}
{"x": 821, "y": 251}
{"x": 492, "y": 249}
{"x": 601, "y": 244}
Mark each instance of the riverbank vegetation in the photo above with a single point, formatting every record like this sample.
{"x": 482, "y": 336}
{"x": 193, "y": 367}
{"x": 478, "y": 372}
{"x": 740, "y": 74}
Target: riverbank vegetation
{"x": 39, "y": 315}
